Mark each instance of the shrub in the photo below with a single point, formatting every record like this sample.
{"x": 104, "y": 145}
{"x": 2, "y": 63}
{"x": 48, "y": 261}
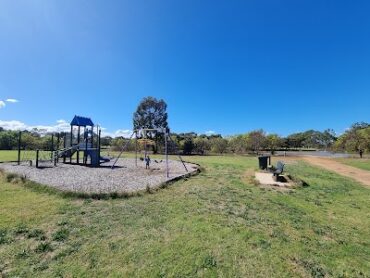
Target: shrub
{"x": 61, "y": 235}
{"x": 44, "y": 247}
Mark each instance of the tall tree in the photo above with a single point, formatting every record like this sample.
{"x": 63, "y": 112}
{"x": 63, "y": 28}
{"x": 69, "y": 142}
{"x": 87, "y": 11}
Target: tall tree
{"x": 355, "y": 139}
{"x": 256, "y": 140}
{"x": 151, "y": 113}
{"x": 273, "y": 142}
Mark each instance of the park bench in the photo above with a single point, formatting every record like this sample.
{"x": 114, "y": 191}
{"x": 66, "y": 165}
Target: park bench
{"x": 278, "y": 170}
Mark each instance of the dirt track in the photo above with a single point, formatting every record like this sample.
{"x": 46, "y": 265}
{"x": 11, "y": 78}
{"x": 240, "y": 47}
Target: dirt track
{"x": 359, "y": 175}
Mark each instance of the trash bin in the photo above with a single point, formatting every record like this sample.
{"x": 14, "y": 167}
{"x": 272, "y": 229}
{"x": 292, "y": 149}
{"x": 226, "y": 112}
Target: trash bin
{"x": 263, "y": 161}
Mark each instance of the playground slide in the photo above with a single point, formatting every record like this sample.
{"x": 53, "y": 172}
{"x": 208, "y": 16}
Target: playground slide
{"x": 104, "y": 159}
{"x": 68, "y": 152}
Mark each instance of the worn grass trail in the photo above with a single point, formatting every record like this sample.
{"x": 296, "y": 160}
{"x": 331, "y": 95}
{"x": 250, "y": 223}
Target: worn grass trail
{"x": 358, "y": 174}
{"x": 361, "y": 163}
{"x": 214, "y": 224}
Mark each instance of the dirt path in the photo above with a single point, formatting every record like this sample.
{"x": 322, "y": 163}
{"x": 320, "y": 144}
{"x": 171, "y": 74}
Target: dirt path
{"x": 359, "y": 175}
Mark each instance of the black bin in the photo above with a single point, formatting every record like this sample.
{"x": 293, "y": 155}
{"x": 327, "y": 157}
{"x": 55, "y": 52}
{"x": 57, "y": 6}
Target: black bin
{"x": 263, "y": 161}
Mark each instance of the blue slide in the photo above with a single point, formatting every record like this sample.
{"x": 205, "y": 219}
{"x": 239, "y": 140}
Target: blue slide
{"x": 104, "y": 159}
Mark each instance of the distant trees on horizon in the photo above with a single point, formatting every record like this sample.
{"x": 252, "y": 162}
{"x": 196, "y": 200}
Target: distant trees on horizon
{"x": 354, "y": 139}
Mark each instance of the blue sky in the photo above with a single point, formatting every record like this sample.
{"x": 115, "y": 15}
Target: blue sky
{"x": 223, "y": 66}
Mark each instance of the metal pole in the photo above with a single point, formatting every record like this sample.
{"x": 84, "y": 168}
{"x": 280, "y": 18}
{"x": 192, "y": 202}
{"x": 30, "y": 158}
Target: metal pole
{"x": 99, "y": 135}
{"x": 58, "y": 143}
{"x": 65, "y": 146}
{"x": 180, "y": 157}
{"x": 85, "y": 138}
{"x": 78, "y": 142}
{"x": 122, "y": 150}
{"x": 52, "y": 147}
{"x": 37, "y": 158}
{"x": 55, "y": 158}
{"x": 166, "y": 153}
{"x": 19, "y": 146}
{"x": 86, "y": 143}
{"x": 52, "y": 141}
{"x": 71, "y": 137}
{"x": 135, "y": 148}
{"x": 144, "y": 145}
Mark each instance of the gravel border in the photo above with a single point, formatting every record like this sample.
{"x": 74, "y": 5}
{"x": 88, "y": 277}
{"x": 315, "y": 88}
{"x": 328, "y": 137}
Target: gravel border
{"x": 124, "y": 178}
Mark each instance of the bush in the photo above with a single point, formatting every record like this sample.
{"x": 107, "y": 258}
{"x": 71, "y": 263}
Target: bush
{"x": 44, "y": 247}
{"x": 61, "y": 235}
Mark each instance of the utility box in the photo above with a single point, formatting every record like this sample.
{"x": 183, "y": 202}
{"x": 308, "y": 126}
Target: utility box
{"x": 264, "y": 161}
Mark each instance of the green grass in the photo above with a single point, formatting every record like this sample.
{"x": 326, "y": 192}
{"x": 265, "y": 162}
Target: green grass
{"x": 363, "y": 163}
{"x": 11, "y": 155}
{"x": 215, "y": 224}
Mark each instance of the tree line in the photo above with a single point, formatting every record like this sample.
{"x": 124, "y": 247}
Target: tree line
{"x": 355, "y": 139}
{"x": 151, "y": 113}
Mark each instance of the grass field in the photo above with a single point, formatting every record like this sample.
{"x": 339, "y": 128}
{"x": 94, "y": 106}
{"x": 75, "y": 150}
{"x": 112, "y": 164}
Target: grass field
{"x": 8, "y": 155}
{"x": 216, "y": 224}
{"x": 12, "y": 155}
{"x": 356, "y": 162}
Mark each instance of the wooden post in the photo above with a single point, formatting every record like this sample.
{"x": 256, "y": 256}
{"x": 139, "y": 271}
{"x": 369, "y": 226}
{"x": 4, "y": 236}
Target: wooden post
{"x": 19, "y": 146}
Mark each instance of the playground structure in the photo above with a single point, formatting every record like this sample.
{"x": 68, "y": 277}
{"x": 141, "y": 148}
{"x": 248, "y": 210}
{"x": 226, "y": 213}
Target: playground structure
{"x": 88, "y": 143}
{"x": 81, "y": 146}
{"x": 141, "y": 136}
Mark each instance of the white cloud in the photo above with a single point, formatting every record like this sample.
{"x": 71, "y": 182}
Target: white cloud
{"x": 61, "y": 125}
{"x": 210, "y": 132}
{"x": 2, "y": 104}
{"x": 12, "y": 100}
{"x": 126, "y": 133}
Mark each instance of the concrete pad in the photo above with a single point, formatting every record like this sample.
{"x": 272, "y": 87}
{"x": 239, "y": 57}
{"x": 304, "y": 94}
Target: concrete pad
{"x": 267, "y": 179}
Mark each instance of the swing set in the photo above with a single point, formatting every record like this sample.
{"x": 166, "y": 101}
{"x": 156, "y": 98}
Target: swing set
{"x": 141, "y": 137}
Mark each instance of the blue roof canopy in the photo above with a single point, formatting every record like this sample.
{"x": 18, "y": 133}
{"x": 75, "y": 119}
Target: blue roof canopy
{"x": 82, "y": 121}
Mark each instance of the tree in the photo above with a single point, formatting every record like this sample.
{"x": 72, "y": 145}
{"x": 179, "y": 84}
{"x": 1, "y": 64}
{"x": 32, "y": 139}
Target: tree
{"x": 201, "y": 145}
{"x": 356, "y": 139}
{"x": 106, "y": 141}
{"x": 237, "y": 144}
{"x": 328, "y": 138}
{"x": 188, "y": 146}
{"x": 273, "y": 142}
{"x": 219, "y": 145}
{"x": 8, "y": 139}
{"x": 151, "y": 113}
{"x": 256, "y": 140}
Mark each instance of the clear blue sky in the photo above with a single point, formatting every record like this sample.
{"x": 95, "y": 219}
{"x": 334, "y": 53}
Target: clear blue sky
{"x": 225, "y": 66}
